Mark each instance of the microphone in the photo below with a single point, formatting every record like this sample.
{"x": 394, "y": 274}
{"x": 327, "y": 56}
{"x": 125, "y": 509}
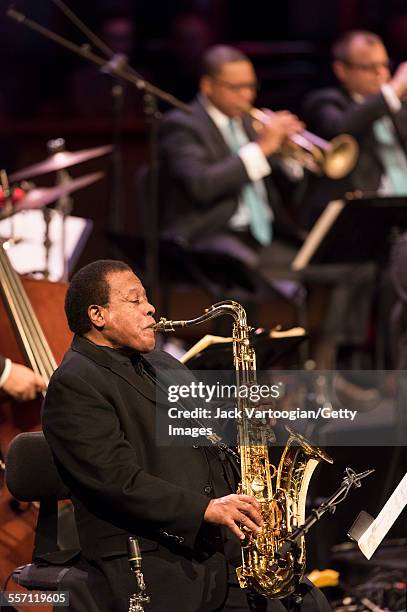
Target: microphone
{"x": 133, "y": 554}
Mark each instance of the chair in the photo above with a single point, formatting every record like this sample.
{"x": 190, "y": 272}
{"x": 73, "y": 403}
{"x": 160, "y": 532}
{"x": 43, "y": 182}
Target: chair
{"x": 31, "y": 476}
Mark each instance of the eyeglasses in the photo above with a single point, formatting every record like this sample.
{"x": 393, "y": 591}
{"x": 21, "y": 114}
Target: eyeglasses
{"x": 236, "y": 87}
{"x": 373, "y": 67}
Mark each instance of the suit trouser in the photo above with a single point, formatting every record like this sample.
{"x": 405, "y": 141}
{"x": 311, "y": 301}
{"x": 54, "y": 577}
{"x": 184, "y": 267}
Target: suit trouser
{"x": 111, "y": 584}
{"x": 239, "y": 600}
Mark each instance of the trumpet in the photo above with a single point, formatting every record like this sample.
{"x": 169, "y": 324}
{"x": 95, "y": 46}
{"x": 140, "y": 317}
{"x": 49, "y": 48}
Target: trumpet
{"x": 335, "y": 158}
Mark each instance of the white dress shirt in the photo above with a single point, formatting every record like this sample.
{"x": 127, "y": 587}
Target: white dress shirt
{"x": 253, "y": 159}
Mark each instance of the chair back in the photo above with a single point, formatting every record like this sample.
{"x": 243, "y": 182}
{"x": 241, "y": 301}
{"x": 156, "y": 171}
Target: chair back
{"x": 31, "y": 473}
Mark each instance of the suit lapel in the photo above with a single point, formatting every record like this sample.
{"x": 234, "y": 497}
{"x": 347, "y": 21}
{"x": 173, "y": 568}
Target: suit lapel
{"x": 139, "y": 382}
{"x": 346, "y": 101}
{"x": 213, "y": 137}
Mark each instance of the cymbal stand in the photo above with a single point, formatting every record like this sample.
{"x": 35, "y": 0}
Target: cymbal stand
{"x": 64, "y": 206}
{"x": 122, "y": 70}
{"x": 8, "y": 205}
{"x": 46, "y": 213}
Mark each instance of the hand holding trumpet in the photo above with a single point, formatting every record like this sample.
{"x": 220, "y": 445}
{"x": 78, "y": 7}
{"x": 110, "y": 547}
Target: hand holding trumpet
{"x": 335, "y": 159}
{"x": 276, "y": 129}
{"x": 399, "y": 81}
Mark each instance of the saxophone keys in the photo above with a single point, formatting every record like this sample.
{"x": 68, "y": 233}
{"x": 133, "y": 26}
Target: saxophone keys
{"x": 257, "y": 485}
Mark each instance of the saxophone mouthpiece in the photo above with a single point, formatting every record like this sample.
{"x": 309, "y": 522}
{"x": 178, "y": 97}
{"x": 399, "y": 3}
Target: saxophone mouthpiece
{"x": 165, "y": 325}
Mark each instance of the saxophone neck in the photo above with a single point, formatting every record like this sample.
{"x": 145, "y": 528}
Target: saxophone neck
{"x": 227, "y": 307}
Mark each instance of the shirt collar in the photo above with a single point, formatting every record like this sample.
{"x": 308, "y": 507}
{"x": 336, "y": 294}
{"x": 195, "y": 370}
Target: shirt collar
{"x": 357, "y": 97}
{"x": 220, "y": 119}
{"x": 122, "y": 356}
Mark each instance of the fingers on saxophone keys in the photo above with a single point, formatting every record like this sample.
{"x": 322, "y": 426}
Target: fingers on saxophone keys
{"x": 248, "y": 523}
{"x": 252, "y": 510}
{"x": 252, "y": 514}
{"x": 235, "y": 529}
{"x": 249, "y": 499}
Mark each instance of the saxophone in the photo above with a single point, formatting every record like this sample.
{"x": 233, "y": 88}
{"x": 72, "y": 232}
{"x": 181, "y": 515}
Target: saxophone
{"x": 281, "y": 492}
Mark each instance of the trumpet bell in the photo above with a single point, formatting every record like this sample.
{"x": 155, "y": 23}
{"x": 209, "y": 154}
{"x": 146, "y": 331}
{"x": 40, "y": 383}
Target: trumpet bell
{"x": 341, "y": 157}
{"x": 334, "y": 159}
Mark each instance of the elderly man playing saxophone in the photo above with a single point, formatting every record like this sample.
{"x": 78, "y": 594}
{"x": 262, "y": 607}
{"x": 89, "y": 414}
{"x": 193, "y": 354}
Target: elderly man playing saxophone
{"x": 180, "y": 502}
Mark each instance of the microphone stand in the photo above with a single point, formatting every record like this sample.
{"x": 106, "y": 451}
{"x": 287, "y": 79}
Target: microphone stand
{"x": 151, "y": 243}
{"x": 117, "y": 66}
{"x": 292, "y": 545}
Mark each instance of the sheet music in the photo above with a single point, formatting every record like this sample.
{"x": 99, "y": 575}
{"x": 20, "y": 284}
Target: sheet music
{"x": 394, "y": 506}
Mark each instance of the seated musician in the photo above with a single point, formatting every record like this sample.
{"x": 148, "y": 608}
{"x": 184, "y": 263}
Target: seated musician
{"x": 99, "y": 419}
{"x": 370, "y": 105}
{"x": 218, "y": 176}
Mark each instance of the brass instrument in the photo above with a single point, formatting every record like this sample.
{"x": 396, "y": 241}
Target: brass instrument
{"x": 281, "y": 492}
{"x": 335, "y": 158}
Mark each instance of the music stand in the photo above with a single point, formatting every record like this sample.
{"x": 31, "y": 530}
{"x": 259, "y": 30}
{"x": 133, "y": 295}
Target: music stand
{"x": 369, "y": 532}
{"x": 353, "y": 230}
{"x": 269, "y": 351}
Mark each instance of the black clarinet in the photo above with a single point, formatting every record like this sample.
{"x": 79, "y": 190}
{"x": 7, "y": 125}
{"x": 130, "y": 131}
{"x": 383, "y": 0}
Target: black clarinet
{"x": 139, "y": 598}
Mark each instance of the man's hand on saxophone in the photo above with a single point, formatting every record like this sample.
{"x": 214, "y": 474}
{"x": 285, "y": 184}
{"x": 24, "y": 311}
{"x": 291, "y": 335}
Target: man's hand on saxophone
{"x": 233, "y": 509}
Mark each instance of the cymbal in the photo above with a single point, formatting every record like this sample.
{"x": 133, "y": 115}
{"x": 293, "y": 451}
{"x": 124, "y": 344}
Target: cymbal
{"x": 59, "y": 161}
{"x": 39, "y": 197}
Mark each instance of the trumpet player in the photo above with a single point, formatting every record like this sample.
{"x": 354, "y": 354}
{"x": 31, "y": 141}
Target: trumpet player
{"x": 217, "y": 172}
{"x": 370, "y": 105}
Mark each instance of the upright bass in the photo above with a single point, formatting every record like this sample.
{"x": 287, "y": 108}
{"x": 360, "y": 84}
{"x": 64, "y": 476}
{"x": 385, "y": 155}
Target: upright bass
{"x": 33, "y": 331}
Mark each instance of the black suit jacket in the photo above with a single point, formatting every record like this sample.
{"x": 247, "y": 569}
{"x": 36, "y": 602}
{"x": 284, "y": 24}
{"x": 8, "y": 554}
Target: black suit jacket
{"x": 329, "y": 112}
{"x": 99, "y": 419}
{"x": 200, "y": 179}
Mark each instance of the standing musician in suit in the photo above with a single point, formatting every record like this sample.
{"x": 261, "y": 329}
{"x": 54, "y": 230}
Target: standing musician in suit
{"x": 99, "y": 418}
{"x": 370, "y": 105}
{"x": 19, "y": 381}
{"x": 217, "y": 174}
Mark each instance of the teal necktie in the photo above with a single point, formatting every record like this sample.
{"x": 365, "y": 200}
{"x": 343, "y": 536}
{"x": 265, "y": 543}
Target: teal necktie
{"x": 393, "y": 158}
{"x": 260, "y": 225}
